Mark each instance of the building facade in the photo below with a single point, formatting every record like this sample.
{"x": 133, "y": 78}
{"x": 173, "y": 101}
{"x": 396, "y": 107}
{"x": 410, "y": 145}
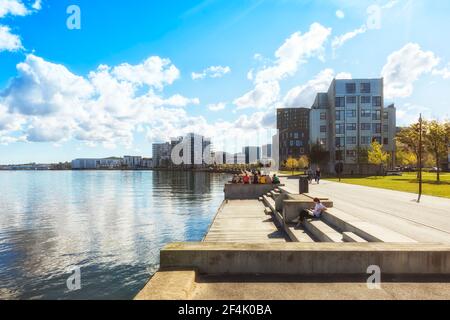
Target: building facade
{"x": 348, "y": 118}
{"x": 132, "y": 162}
{"x": 293, "y": 129}
{"x": 252, "y": 154}
{"x": 161, "y": 154}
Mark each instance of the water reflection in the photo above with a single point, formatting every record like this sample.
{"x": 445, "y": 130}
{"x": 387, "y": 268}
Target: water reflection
{"x": 111, "y": 224}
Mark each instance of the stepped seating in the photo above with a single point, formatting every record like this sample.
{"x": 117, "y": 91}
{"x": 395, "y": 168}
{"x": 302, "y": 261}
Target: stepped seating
{"x": 298, "y": 234}
{"x": 351, "y": 237}
{"x": 269, "y": 202}
{"x": 366, "y": 230}
{"x": 322, "y": 231}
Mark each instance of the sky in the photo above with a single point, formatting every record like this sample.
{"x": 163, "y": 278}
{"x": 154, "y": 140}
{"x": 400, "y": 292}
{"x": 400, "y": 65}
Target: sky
{"x": 109, "y": 78}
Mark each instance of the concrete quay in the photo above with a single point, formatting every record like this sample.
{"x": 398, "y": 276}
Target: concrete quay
{"x": 253, "y": 250}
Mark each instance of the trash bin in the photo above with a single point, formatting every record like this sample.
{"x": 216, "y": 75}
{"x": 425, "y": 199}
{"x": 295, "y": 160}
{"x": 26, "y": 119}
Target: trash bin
{"x": 303, "y": 185}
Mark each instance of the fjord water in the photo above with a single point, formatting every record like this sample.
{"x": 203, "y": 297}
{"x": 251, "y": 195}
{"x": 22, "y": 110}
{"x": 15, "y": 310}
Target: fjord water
{"x": 109, "y": 224}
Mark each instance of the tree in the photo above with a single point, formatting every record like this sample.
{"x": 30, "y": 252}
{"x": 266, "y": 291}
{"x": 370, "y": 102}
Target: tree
{"x": 291, "y": 164}
{"x": 377, "y": 156}
{"x": 404, "y": 156}
{"x": 409, "y": 138}
{"x": 436, "y": 143}
{"x": 303, "y": 162}
{"x": 318, "y": 155}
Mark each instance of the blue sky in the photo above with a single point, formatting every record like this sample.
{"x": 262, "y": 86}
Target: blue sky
{"x": 140, "y": 71}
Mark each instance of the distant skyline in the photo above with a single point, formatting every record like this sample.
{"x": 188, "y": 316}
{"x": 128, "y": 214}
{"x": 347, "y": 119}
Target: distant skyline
{"x": 139, "y": 72}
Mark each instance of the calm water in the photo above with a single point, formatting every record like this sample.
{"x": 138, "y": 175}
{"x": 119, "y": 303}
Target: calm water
{"x": 110, "y": 224}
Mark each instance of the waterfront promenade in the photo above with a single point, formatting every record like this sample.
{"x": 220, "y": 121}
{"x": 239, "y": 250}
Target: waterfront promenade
{"x": 427, "y": 221}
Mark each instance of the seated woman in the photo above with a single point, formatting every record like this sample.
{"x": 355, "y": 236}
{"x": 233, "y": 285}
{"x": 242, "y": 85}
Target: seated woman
{"x": 263, "y": 180}
{"x": 268, "y": 179}
{"x": 246, "y": 179}
{"x": 319, "y": 208}
{"x": 255, "y": 178}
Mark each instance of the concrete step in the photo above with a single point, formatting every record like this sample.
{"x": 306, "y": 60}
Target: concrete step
{"x": 298, "y": 234}
{"x": 260, "y": 199}
{"x": 269, "y": 202}
{"x": 345, "y": 222}
{"x": 351, "y": 237}
{"x": 267, "y": 211}
{"x": 275, "y": 194}
{"x": 322, "y": 231}
{"x": 269, "y": 194}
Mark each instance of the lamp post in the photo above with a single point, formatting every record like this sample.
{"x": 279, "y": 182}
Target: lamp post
{"x": 420, "y": 158}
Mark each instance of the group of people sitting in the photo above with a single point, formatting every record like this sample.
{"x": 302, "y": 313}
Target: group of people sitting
{"x": 255, "y": 177}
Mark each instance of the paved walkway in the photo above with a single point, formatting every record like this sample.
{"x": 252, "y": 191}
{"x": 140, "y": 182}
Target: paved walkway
{"x": 243, "y": 221}
{"x": 428, "y": 221}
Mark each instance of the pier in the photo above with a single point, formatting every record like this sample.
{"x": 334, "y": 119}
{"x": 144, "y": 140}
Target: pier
{"x": 254, "y": 249}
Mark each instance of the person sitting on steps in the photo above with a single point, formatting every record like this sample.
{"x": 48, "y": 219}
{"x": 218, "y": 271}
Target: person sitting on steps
{"x": 319, "y": 208}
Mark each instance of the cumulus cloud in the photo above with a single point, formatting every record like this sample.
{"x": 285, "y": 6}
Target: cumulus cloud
{"x": 404, "y": 67}
{"x": 211, "y": 72}
{"x": 9, "y": 41}
{"x": 37, "y": 5}
{"x": 304, "y": 95}
{"x": 12, "y": 7}
{"x": 443, "y": 72}
{"x": 49, "y": 103}
{"x": 295, "y": 51}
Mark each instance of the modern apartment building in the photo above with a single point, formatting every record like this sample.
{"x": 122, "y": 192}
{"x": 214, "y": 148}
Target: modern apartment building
{"x": 293, "y": 126}
{"x": 132, "y": 162}
{"x": 161, "y": 154}
{"x": 348, "y": 118}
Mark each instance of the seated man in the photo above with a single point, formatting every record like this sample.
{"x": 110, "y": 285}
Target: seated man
{"x": 275, "y": 179}
{"x": 319, "y": 208}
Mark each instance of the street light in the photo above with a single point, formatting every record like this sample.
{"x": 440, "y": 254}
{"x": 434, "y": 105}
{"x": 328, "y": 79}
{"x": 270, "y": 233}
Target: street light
{"x": 420, "y": 158}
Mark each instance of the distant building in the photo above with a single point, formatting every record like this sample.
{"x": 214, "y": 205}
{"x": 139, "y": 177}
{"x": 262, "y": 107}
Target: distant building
{"x": 132, "y": 162}
{"x": 293, "y": 129}
{"x": 161, "y": 154}
{"x": 266, "y": 151}
{"x": 252, "y": 154}
{"x": 239, "y": 158}
{"x": 92, "y": 164}
{"x": 147, "y": 163}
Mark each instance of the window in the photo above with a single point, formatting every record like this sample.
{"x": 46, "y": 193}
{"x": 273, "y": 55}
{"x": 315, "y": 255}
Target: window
{"x": 385, "y": 141}
{"x": 365, "y": 87}
{"x": 376, "y": 101}
{"x": 340, "y": 129}
{"x": 365, "y": 126}
{"x": 299, "y": 143}
{"x": 377, "y": 139}
{"x": 351, "y": 126}
{"x": 366, "y": 113}
{"x": 339, "y": 155}
{"x": 365, "y": 140}
{"x": 302, "y": 150}
{"x": 376, "y": 115}
{"x": 323, "y": 129}
{"x": 385, "y": 115}
{"x": 365, "y": 99}
{"x": 340, "y": 115}
{"x": 385, "y": 128}
{"x": 296, "y": 135}
{"x": 377, "y": 128}
{"x": 323, "y": 116}
{"x": 351, "y": 100}
{"x": 291, "y": 143}
{"x": 351, "y": 140}
{"x": 351, "y": 113}
{"x": 350, "y": 87}
{"x": 340, "y": 142}
{"x": 351, "y": 153}
{"x": 340, "y": 102}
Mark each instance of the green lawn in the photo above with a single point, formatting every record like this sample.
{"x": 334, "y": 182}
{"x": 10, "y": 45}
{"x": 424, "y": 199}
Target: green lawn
{"x": 407, "y": 183}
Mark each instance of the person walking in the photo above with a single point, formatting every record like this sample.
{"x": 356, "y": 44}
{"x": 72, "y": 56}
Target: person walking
{"x": 318, "y": 175}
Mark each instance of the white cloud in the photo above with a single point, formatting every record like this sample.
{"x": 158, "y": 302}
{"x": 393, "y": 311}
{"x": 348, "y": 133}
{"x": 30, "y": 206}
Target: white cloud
{"x": 211, "y": 72}
{"x": 339, "y": 41}
{"x": 404, "y": 67}
{"x": 217, "y": 106}
{"x": 409, "y": 113}
{"x": 390, "y": 4}
{"x": 304, "y": 95}
{"x": 443, "y": 72}
{"x": 295, "y": 51}
{"x": 37, "y": 5}
{"x": 12, "y": 7}
{"x": 154, "y": 72}
{"x": 9, "y": 41}
{"x": 262, "y": 96}
{"x": 340, "y": 14}
{"x": 50, "y": 103}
